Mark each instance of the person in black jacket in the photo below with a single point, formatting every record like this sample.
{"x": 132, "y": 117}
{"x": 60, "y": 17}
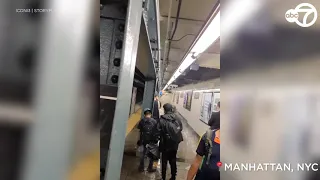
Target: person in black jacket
{"x": 170, "y": 136}
{"x": 148, "y": 135}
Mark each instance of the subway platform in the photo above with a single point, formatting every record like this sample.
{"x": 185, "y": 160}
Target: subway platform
{"x": 185, "y": 156}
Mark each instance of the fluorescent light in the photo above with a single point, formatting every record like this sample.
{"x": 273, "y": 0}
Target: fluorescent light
{"x": 186, "y": 63}
{"x": 209, "y": 36}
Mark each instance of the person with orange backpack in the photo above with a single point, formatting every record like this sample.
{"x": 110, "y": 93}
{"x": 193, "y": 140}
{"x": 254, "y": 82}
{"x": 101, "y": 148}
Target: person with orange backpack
{"x": 205, "y": 165}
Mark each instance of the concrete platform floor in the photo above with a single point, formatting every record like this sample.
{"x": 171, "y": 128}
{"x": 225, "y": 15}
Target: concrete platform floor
{"x": 186, "y": 153}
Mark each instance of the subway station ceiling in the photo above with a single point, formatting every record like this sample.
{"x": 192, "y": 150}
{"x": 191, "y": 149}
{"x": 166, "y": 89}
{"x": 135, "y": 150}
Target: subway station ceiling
{"x": 193, "y": 15}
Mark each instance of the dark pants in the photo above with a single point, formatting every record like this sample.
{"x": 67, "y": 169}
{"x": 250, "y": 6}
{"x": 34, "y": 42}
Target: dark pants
{"x": 170, "y": 156}
{"x": 142, "y": 156}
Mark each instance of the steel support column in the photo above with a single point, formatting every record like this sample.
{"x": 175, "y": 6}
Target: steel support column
{"x": 159, "y": 82}
{"x": 128, "y": 63}
{"x": 148, "y": 94}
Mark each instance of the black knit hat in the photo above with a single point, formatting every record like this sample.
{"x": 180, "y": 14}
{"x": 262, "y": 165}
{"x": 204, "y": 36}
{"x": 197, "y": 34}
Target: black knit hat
{"x": 147, "y": 110}
{"x": 167, "y": 107}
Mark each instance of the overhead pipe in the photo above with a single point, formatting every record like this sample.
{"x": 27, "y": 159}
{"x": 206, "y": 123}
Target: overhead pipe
{"x": 208, "y": 21}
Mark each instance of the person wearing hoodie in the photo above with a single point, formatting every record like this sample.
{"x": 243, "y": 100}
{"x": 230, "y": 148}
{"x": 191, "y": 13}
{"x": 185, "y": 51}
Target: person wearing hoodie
{"x": 170, "y": 137}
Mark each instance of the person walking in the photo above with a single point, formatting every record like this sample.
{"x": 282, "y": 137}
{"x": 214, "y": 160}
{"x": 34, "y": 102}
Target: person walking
{"x": 149, "y": 135}
{"x": 170, "y": 136}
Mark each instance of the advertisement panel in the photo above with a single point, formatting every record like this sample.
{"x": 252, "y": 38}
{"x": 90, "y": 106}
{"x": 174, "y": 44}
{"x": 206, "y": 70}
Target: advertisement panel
{"x": 216, "y": 99}
{"x": 206, "y": 107}
{"x": 185, "y": 99}
{"x": 189, "y": 100}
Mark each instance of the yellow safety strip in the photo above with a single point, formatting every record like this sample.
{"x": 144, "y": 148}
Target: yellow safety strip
{"x": 133, "y": 121}
{"x": 88, "y": 168}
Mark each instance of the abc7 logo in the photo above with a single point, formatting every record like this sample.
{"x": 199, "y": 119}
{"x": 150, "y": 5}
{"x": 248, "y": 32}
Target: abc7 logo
{"x": 292, "y": 15}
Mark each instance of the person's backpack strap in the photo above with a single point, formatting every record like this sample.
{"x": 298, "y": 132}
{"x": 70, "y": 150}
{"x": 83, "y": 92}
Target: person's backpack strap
{"x": 209, "y": 135}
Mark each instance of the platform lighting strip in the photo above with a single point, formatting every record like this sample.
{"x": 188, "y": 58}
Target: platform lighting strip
{"x": 209, "y": 36}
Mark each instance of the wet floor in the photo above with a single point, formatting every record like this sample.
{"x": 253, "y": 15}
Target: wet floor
{"x": 186, "y": 153}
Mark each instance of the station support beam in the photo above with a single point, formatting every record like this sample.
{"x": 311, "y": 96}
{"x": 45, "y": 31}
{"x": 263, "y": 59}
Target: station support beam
{"x": 128, "y": 63}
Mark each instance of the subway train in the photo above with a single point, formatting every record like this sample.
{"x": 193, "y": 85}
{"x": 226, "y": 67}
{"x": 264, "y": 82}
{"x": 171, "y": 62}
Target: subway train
{"x": 195, "y": 105}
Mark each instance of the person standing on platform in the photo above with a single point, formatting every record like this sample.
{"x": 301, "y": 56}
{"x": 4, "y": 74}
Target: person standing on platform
{"x": 149, "y": 134}
{"x": 156, "y": 107}
{"x": 174, "y": 110}
{"x": 170, "y": 137}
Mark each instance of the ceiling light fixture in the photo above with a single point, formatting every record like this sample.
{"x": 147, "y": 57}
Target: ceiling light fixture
{"x": 208, "y": 35}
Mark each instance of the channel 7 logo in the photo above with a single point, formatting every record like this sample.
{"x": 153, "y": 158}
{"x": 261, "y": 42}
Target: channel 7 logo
{"x": 292, "y": 15}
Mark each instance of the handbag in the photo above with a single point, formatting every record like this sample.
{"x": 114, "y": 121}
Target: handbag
{"x": 153, "y": 151}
